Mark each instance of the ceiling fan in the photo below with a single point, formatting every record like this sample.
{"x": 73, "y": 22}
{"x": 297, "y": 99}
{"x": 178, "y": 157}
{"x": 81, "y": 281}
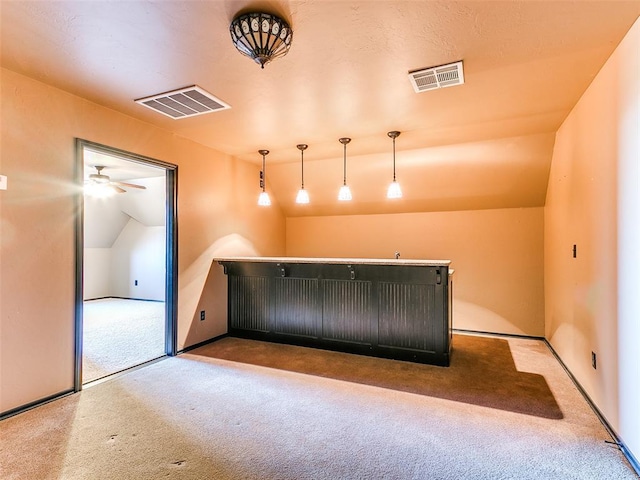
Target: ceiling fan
{"x": 100, "y": 180}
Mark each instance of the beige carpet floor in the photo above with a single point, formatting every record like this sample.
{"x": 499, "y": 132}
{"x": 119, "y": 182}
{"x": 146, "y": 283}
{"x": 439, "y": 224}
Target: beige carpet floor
{"x": 241, "y": 409}
{"x": 120, "y": 333}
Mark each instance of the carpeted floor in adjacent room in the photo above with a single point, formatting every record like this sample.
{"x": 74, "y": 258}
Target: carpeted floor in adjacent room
{"x": 120, "y": 333}
{"x": 241, "y": 409}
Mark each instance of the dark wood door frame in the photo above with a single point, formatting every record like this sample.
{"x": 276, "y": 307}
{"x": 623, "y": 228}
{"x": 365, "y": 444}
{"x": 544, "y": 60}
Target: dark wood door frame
{"x": 171, "y": 258}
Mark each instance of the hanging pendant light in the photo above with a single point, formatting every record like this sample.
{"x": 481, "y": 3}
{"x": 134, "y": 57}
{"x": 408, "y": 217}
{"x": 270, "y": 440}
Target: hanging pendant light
{"x": 303, "y": 195}
{"x": 394, "y": 190}
{"x": 263, "y": 199}
{"x": 344, "y": 195}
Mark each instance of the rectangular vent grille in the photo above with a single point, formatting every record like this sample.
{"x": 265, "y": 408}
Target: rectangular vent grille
{"x": 437, "y": 77}
{"x": 183, "y": 103}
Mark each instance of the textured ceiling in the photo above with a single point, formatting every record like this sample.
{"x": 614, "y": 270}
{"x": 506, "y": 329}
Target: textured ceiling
{"x": 489, "y": 141}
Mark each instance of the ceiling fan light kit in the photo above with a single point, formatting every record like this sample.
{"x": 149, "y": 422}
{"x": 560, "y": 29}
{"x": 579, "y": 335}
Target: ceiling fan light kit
{"x": 100, "y": 185}
{"x": 99, "y": 177}
{"x": 98, "y": 190}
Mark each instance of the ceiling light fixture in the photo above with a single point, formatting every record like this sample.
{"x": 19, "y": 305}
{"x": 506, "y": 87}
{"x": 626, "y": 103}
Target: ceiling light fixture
{"x": 263, "y": 199}
{"x": 101, "y": 185}
{"x": 98, "y": 190}
{"x": 394, "y": 190}
{"x": 261, "y": 36}
{"x": 345, "y": 193}
{"x": 303, "y": 195}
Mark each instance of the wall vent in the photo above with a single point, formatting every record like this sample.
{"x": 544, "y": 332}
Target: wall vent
{"x": 183, "y": 103}
{"x": 437, "y": 77}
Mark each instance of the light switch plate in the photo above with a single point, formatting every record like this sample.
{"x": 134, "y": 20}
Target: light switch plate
{"x": 3, "y": 182}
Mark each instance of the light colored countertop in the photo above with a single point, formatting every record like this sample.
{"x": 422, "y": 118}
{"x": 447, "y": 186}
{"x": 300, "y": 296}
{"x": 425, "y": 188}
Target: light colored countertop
{"x": 349, "y": 261}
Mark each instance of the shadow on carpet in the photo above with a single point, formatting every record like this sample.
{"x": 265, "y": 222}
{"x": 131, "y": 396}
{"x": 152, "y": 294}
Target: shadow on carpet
{"x": 482, "y": 372}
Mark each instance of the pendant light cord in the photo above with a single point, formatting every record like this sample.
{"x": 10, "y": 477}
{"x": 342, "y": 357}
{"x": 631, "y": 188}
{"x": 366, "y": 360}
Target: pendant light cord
{"x": 394, "y": 159}
{"x": 302, "y": 166}
{"x": 263, "y": 178}
{"x": 345, "y": 164}
{"x": 264, "y": 174}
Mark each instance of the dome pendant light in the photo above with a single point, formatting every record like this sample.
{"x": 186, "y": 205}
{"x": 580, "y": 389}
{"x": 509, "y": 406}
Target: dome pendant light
{"x": 263, "y": 199}
{"x": 303, "y": 195}
{"x": 345, "y": 193}
{"x": 394, "y": 190}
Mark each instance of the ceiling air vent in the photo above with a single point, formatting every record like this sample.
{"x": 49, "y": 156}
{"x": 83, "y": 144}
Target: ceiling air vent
{"x": 437, "y": 77}
{"x": 183, "y": 103}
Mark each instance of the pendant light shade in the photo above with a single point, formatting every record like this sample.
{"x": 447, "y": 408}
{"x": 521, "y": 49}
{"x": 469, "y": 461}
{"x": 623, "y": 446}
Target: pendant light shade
{"x": 303, "y": 195}
{"x": 344, "y": 195}
{"x": 263, "y": 199}
{"x": 394, "y": 190}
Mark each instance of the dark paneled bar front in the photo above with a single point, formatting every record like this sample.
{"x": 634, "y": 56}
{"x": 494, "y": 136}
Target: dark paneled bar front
{"x": 399, "y": 309}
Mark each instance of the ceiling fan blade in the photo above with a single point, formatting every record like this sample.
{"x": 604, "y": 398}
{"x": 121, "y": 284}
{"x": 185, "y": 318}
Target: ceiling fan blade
{"x": 117, "y": 188}
{"x": 130, "y": 185}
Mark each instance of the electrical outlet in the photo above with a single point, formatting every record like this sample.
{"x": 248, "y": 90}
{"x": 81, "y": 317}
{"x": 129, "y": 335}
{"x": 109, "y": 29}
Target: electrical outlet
{"x": 201, "y": 315}
{"x": 135, "y": 283}
{"x": 593, "y": 360}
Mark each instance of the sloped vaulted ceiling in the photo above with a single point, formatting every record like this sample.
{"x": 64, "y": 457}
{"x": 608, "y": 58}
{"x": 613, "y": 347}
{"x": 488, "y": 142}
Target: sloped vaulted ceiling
{"x": 104, "y": 218}
{"x": 526, "y": 63}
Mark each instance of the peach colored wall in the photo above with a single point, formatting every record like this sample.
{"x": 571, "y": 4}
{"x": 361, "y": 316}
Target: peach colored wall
{"x": 497, "y": 256}
{"x": 217, "y": 214}
{"x": 593, "y": 201}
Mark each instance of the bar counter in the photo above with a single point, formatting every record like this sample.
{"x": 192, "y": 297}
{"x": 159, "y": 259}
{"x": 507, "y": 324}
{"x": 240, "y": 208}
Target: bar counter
{"x": 393, "y": 308}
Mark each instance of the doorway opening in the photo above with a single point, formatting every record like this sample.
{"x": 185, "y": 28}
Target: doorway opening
{"x": 126, "y": 258}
